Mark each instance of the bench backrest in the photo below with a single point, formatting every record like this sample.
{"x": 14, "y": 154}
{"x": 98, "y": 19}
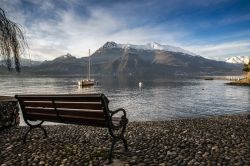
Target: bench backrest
{"x": 88, "y": 109}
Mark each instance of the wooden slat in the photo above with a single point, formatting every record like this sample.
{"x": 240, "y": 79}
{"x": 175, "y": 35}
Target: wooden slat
{"x": 86, "y": 121}
{"x": 45, "y": 117}
{"x": 61, "y": 95}
{"x": 74, "y": 112}
{"x": 31, "y": 110}
{"x": 81, "y": 113}
{"x": 79, "y": 105}
{"x": 61, "y": 98}
{"x": 72, "y": 105}
{"x": 48, "y": 104}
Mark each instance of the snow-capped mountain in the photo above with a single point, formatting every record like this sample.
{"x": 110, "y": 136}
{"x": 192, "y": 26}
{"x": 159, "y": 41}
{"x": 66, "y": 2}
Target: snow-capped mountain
{"x": 148, "y": 46}
{"x": 155, "y": 60}
{"x": 148, "y": 61}
{"x": 68, "y": 55}
{"x": 238, "y": 59}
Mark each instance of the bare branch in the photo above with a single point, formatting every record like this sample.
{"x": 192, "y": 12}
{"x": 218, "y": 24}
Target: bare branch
{"x": 12, "y": 42}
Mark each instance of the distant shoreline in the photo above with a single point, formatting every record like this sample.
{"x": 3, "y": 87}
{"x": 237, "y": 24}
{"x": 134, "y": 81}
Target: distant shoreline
{"x": 238, "y": 83}
{"x": 242, "y": 82}
{"x": 216, "y": 77}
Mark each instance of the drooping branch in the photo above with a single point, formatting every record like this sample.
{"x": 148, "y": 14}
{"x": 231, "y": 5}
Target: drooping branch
{"x": 12, "y": 42}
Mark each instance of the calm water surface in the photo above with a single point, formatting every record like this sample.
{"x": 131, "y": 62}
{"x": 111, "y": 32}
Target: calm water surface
{"x": 156, "y": 100}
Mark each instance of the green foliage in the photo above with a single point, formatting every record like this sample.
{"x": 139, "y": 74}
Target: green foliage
{"x": 12, "y": 42}
{"x": 246, "y": 67}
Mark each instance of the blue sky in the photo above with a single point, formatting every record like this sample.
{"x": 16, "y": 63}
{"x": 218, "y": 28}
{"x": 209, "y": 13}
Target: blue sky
{"x": 214, "y": 29}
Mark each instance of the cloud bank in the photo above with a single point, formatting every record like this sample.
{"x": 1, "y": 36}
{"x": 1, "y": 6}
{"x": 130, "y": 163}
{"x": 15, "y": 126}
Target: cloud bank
{"x": 54, "y": 28}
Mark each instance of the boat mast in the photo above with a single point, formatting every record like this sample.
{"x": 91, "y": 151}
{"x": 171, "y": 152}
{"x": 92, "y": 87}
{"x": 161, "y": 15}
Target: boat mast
{"x": 89, "y": 66}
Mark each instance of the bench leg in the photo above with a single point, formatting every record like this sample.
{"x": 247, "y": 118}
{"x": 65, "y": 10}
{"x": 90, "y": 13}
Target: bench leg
{"x": 26, "y": 134}
{"x": 33, "y": 127}
{"x": 125, "y": 144}
{"x": 44, "y": 131}
{"x": 111, "y": 151}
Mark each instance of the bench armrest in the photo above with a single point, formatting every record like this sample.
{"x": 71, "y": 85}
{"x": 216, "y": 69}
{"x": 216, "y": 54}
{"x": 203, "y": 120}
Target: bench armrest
{"x": 123, "y": 120}
{"x": 118, "y": 110}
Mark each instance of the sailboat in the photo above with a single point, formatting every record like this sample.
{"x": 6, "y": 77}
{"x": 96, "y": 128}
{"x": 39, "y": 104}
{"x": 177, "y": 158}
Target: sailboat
{"x": 87, "y": 81}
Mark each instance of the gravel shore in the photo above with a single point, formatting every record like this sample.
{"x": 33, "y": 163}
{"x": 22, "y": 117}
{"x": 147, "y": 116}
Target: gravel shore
{"x": 223, "y": 140}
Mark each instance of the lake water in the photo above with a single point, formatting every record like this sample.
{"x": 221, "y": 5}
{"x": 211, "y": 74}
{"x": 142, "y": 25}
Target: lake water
{"x": 156, "y": 100}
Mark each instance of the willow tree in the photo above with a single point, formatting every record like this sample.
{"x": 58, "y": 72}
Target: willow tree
{"x": 12, "y": 42}
{"x": 247, "y": 70}
{"x": 247, "y": 67}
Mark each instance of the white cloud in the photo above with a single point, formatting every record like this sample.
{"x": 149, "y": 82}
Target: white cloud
{"x": 223, "y": 50}
{"x": 48, "y": 39}
{"x": 70, "y": 32}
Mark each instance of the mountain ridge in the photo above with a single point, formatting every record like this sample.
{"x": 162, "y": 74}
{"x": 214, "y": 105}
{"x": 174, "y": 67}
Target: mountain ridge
{"x": 113, "y": 60}
{"x": 157, "y": 61}
{"x": 148, "y": 46}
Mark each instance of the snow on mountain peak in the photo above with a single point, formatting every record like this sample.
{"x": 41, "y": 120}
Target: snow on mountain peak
{"x": 155, "y": 46}
{"x": 148, "y": 46}
{"x": 63, "y": 57}
{"x": 110, "y": 44}
{"x": 68, "y": 55}
{"x": 238, "y": 59}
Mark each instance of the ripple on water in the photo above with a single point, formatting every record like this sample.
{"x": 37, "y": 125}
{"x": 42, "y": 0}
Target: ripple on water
{"x": 154, "y": 101}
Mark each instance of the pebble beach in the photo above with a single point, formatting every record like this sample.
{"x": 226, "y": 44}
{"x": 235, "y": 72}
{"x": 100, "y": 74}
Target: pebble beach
{"x": 222, "y": 140}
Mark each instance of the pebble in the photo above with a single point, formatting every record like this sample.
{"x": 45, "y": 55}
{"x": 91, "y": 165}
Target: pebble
{"x": 41, "y": 163}
{"x": 202, "y": 141}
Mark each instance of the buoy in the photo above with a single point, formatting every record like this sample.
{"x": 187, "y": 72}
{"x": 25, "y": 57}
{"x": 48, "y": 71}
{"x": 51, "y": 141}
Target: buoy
{"x": 140, "y": 84}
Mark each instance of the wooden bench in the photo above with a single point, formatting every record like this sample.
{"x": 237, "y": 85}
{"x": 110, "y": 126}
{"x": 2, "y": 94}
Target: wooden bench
{"x": 80, "y": 109}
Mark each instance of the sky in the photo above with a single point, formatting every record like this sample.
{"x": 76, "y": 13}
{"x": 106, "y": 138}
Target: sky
{"x": 214, "y": 29}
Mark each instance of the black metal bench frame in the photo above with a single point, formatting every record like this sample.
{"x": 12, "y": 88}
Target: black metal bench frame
{"x": 108, "y": 114}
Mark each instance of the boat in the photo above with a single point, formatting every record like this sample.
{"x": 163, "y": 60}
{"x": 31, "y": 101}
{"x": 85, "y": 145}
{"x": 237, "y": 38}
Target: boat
{"x": 209, "y": 79}
{"x": 88, "y": 81}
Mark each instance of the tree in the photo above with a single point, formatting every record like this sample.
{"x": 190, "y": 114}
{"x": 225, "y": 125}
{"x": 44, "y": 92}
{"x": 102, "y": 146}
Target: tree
{"x": 12, "y": 42}
{"x": 247, "y": 67}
